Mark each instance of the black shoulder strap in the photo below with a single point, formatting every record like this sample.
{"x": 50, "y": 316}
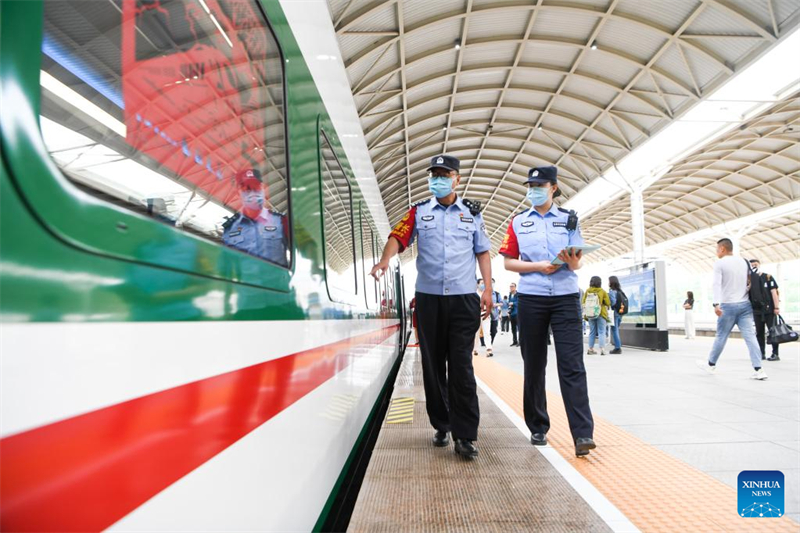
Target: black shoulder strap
{"x": 230, "y": 220}
{"x": 572, "y": 220}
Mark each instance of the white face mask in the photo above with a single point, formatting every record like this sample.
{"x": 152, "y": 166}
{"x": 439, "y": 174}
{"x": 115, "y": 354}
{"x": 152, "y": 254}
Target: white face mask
{"x": 252, "y": 199}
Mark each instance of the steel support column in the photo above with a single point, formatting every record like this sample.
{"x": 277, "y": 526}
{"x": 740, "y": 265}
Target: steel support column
{"x": 637, "y": 224}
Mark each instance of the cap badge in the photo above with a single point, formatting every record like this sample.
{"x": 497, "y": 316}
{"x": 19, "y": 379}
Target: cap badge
{"x": 535, "y": 173}
{"x": 439, "y": 161}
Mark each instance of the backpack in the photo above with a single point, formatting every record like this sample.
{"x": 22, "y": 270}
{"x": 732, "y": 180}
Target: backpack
{"x": 757, "y": 294}
{"x": 621, "y": 308}
{"x": 591, "y": 305}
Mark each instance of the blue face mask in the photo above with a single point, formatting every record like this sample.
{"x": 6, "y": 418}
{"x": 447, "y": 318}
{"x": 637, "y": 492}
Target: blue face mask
{"x": 481, "y": 286}
{"x": 440, "y": 186}
{"x": 538, "y": 195}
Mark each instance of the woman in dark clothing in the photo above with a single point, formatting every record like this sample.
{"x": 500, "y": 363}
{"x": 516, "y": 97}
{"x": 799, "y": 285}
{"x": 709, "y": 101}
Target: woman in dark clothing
{"x": 688, "y": 318}
{"x": 614, "y": 289}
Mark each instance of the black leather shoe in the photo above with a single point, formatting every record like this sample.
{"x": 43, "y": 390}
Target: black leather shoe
{"x": 440, "y": 439}
{"x": 538, "y": 439}
{"x": 773, "y": 357}
{"x": 514, "y": 344}
{"x": 615, "y": 351}
{"x": 763, "y": 357}
{"x": 466, "y": 448}
{"x": 583, "y": 445}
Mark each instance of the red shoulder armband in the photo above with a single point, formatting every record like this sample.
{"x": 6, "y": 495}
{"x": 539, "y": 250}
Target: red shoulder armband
{"x": 405, "y": 228}
{"x": 510, "y": 246}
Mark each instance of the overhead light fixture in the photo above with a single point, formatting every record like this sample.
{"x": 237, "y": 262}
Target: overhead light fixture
{"x": 444, "y": 128}
{"x": 73, "y": 98}
{"x": 458, "y": 45}
{"x": 539, "y": 128}
{"x": 594, "y": 46}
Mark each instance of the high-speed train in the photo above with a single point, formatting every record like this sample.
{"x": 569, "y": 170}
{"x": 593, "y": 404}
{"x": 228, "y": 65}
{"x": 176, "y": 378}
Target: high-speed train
{"x": 190, "y": 337}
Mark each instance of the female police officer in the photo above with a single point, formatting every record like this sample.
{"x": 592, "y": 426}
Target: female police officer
{"x": 548, "y": 297}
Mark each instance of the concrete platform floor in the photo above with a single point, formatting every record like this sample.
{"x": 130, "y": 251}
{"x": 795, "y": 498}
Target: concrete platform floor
{"x": 720, "y": 424}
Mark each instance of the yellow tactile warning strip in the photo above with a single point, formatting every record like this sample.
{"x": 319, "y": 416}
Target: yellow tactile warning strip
{"x": 401, "y": 411}
{"x": 657, "y": 492}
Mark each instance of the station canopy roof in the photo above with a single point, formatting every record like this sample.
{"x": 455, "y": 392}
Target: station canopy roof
{"x": 741, "y": 183}
{"x": 580, "y": 84}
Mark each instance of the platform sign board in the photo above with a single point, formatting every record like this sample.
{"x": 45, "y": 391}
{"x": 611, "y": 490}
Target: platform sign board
{"x": 645, "y": 325}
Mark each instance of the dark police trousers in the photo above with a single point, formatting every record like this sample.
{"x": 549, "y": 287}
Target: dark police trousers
{"x": 563, "y": 314}
{"x": 764, "y": 321}
{"x": 447, "y": 327}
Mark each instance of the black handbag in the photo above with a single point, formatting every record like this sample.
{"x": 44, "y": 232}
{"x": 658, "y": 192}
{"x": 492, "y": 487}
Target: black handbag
{"x": 781, "y": 332}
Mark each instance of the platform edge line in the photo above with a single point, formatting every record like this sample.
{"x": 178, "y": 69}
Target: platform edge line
{"x": 607, "y": 511}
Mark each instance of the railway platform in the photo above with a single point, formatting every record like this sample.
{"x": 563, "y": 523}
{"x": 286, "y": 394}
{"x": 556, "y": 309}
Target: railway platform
{"x": 676, "y": 462}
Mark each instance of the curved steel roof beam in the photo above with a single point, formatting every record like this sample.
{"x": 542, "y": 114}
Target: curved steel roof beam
{"x": 525, "y": 125}
{"x": 647, "y": 25}
{"x": 426, "y": 146}
{"x": 478, "y": 107}
{"x": 521, "y": 66}
{"x": 420, "y": 165}
{"x": 528, "y": 89}
{"x": 618, "y": 55}
{"x": 555, "y": 113}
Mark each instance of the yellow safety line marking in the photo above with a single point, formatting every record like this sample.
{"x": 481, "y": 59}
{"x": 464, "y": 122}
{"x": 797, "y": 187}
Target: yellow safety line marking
{"x": 656, "y": 491}
{"x": 401, "y": 410}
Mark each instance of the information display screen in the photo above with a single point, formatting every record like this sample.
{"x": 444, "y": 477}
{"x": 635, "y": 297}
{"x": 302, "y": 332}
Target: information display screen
{"x": 640, "y": 288}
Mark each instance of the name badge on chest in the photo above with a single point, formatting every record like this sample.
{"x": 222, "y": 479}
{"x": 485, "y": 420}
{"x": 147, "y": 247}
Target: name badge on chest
{"x": 559, "y": 224}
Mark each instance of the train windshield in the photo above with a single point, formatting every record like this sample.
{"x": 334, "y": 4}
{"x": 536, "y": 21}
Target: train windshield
{"x": 174, "y": 109}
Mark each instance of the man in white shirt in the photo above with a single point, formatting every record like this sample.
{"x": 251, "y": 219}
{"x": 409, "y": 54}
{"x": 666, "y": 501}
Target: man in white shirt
{"x": 732, "y": 307}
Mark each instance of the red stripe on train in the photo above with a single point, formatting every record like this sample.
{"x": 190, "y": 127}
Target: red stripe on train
{"x": 87, "y": 472}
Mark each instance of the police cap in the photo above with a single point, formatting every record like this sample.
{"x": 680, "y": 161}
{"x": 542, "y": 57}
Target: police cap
{"x": 446, "y": 162}
{"x": 249, "y": 178}
{"x": 548, "y": 174}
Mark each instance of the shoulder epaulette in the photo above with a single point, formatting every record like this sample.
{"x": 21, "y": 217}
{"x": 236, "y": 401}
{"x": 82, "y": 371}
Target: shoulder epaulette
{"x": 230, "y": 220}
{"x": 425, "y": 201}
{"x": 474, "y": 206}
{"x": 279, "y": 213}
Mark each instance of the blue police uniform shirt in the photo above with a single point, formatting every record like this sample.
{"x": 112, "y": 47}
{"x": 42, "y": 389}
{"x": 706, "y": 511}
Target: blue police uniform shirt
{"x": 449, "y": 237}
{"x": 533, "y": 237}
{"x": 264, "y": 237}
{"x": 496, "y": 300}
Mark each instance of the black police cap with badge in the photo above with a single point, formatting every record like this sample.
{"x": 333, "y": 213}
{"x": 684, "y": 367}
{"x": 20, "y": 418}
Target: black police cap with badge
{"x": 452, "y": 164}
{"x": 549, "y": 174}
{"x": 446, "y": 162}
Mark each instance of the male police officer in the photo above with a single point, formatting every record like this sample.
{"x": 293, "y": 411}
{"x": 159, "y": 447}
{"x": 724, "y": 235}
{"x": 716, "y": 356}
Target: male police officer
{"x": 548, "y": 297}
{"x": 451, "y": 234}
{"x": 770, "y": 308}
{"x": 256, "y": 229}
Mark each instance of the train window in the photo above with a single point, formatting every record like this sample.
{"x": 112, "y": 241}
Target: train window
{"x": 368, "y": 258}
{"x": 378, "y": 251}
{"x": 337, "y": 218}
{"x": 174, "y": 110}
